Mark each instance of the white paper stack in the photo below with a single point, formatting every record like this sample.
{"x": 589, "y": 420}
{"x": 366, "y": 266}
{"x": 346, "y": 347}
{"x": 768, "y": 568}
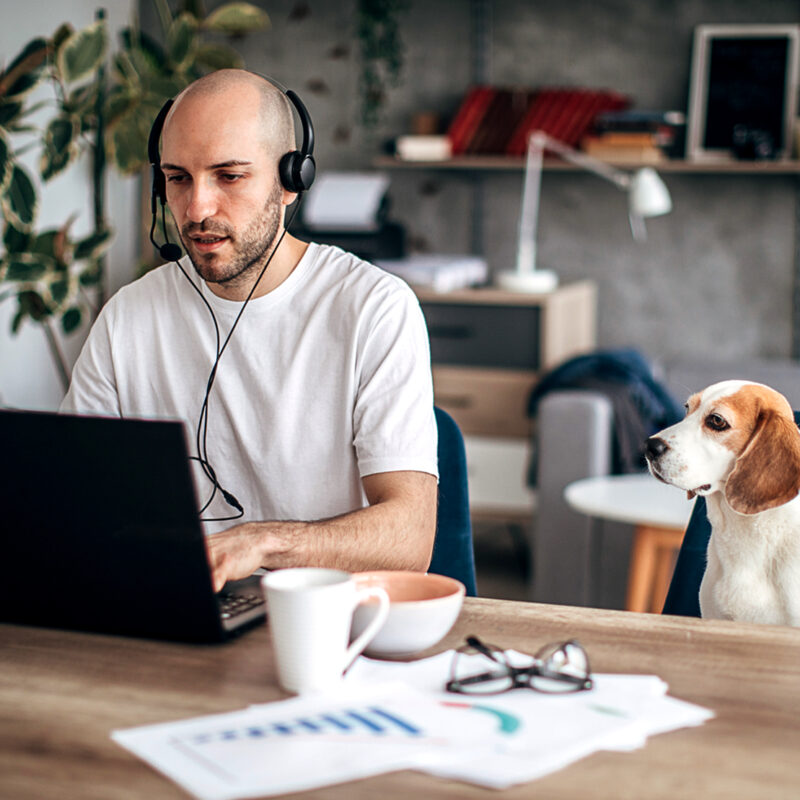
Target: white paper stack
{"x": 442, "y": 273}
{"x": 390, "y": 716}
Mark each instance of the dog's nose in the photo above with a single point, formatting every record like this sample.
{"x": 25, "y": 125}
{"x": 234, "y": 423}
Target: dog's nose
{"x": 655, "y": 447}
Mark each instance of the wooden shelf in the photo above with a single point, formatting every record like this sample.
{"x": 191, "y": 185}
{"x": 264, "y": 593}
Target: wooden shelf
{"x": 509, "y": 164}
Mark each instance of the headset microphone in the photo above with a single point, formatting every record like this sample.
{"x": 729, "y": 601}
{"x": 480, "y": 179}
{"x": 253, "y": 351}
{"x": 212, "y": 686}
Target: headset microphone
{"x": 296, "y": 171}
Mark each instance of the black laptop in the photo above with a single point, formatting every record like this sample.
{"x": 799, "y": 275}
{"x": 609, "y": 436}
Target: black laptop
{"x": 100, "y": 531}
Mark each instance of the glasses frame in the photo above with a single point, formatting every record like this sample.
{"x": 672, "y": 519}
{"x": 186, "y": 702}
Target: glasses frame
{"x": 521, "y": 677}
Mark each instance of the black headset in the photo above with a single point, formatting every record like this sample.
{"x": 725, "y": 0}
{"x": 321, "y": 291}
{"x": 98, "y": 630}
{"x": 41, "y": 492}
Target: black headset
{"x": 296, "y": 169}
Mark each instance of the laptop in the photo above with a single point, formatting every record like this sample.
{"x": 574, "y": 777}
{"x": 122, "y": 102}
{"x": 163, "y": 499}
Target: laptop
{"x": 101, "y": 532}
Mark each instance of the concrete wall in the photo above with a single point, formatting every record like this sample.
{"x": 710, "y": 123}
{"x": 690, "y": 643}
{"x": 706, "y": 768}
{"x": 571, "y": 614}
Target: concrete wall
{"x": 28, "y": 376}
{"x": 714, "y": 278}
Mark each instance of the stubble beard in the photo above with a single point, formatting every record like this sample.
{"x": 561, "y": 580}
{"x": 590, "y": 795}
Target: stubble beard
{"x": 252, "y": 247}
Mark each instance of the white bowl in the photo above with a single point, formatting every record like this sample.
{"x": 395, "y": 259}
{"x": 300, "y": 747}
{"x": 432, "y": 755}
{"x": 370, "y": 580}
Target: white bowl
{"x": 422, "y": 610}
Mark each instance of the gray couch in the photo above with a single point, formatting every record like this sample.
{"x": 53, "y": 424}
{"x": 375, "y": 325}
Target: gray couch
{"x": 576, "y": 560}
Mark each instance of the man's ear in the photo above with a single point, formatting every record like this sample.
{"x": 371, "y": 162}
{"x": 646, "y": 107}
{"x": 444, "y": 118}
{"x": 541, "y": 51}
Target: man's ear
{"x": 767, "y": 473}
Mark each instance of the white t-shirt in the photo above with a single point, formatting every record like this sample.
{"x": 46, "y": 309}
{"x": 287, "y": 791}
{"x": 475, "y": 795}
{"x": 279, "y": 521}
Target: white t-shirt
{"x": 325, "y": 380}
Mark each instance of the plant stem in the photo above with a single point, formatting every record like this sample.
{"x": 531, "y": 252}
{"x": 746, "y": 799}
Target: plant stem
{"x": 57, "y": 353}
{"x": 99, "y": 166}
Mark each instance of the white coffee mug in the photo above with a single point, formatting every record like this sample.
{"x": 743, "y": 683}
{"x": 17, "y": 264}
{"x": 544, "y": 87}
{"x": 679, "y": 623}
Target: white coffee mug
{"x": 310, "y": 611}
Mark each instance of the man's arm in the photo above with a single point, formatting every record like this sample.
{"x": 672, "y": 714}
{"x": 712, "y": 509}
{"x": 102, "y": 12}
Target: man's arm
{"x": 395, "y": 531}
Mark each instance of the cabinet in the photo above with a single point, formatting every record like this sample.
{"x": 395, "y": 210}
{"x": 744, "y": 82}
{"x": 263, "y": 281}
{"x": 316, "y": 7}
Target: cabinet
{"x": 488, "y": 348}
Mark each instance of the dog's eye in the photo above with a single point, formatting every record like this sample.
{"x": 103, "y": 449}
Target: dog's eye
{"x": 716, "y": 422}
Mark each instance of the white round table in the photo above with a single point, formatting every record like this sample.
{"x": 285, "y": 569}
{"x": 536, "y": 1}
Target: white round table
{"x": 660, "y": 514}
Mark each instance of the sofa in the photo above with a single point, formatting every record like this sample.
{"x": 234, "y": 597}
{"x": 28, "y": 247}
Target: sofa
{"x": 576, "y": 560}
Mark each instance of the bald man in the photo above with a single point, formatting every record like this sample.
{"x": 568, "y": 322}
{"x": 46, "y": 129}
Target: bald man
{"x": 320, "y": 419}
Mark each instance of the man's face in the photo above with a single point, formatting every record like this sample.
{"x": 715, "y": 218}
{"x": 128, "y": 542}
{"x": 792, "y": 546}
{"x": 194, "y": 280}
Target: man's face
{"x": 222, "y": 187}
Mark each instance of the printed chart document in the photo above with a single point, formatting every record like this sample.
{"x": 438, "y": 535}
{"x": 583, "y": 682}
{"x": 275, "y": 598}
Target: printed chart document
{"x": 390, "y": 716}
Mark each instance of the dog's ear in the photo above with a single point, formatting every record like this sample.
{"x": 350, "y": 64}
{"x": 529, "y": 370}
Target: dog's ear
{"x": 767, "y": 473}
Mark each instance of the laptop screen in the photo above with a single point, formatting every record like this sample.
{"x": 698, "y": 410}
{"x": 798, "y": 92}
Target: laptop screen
{"x": 101, "y": 528}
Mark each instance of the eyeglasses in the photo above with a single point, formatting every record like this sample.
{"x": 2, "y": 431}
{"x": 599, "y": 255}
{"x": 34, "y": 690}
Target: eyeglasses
{"x": 557, "y": 668}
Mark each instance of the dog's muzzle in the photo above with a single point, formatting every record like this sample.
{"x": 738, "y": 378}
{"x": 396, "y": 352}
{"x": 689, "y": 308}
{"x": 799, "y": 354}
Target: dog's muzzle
{"x": 655, "y": 448}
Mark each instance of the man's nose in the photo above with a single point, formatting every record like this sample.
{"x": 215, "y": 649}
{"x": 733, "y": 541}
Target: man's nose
{"x": 202, "y": 203}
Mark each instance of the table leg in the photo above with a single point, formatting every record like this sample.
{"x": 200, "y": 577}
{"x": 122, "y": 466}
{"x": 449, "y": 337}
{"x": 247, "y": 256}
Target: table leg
{"x": 652, "y": 559}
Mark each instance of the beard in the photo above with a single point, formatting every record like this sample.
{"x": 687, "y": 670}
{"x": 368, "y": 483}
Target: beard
{"x": 251, "y": 246}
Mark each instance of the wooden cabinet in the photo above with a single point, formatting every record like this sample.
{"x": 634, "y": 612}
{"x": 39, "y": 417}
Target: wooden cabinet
{"x": 489, "y": 346}
{"x": 488, "y": 349}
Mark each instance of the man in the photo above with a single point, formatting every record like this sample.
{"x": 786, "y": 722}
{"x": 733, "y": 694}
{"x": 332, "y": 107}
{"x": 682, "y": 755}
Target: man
{"x": 321, "y": 409}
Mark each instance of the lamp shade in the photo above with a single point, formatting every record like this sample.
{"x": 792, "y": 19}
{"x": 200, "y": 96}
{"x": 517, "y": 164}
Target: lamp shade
{"x": 648, "y": 195}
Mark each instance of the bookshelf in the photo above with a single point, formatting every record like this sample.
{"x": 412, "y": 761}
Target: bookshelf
{"x": 676, "y": 166}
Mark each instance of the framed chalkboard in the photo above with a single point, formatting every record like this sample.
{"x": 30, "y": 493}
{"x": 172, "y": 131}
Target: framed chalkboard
{"x": 743, "y": 94}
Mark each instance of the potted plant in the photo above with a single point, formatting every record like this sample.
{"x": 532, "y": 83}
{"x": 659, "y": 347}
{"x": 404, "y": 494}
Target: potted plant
{"x": 103, "y": 105}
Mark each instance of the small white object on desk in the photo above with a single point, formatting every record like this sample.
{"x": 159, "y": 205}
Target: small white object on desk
{"x": 442, "y": 273}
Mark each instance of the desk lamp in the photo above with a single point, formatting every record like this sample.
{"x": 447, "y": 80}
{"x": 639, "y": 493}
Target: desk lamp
{"x": 647, "y": 197}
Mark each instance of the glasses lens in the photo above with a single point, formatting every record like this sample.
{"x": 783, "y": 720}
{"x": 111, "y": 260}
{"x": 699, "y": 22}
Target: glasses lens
{"x": 564, "y": 668}
{"x": 478, "y": 674}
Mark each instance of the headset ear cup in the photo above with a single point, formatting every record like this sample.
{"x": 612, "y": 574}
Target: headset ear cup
{"x": 296, "y": 171}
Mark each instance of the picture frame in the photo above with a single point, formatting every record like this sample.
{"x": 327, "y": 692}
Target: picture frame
{"x": 743, "y": 92}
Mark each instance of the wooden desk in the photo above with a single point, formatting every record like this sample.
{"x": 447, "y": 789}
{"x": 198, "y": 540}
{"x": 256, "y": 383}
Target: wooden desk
{"x": 62, "y": 693}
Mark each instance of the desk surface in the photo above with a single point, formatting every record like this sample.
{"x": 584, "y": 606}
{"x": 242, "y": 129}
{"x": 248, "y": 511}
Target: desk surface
{"x": 62, "y": 693}
{"x": 638, "y": 499}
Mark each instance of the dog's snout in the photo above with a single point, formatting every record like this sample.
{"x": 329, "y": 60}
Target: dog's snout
{"x": 655, "y": 447}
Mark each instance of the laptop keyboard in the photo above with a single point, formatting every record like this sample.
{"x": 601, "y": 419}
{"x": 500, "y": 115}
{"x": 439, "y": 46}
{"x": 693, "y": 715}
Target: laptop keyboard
{"x": 232, "y": 605}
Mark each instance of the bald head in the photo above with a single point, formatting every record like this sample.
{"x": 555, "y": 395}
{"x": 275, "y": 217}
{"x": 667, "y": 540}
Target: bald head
{"x": 270, "y": 104}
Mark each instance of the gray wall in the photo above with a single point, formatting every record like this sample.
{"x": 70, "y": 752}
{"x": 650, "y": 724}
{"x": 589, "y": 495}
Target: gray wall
{"x": 714, "y": 278}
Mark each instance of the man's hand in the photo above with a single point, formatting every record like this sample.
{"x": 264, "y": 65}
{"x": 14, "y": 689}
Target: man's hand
{"x": 395, "y": 531}
{"x": 234, "y": 554}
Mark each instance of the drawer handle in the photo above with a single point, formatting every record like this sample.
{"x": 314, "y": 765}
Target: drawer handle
{"x": 454, "y": 400}
{"x": 451, "y": 331}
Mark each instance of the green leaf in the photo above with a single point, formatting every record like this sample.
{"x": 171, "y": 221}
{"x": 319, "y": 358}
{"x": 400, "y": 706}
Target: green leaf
{"x": 15, "y": 240}
{"x": 237, "y": 19}
{"x": 25, "y": 71}
{"x": 59, "y": 289}
{"x": 60, "y": 145}
{"x": 26, "y": 267}
{"x": 92, "y": 275}
{"x": 119, "y": 101}
{"x": 194, "y": 7}
{"x": 19, "y": 199}
{"x": 93, "y": 246}
{"x": 6, "y": 161}
{"x": 218, "y": 56}
{"x": 65, "y": 30}
{"x": 9, "y": 111}
{"x": 32, "y": 305}
{"x": 82, "y": 100}
{"x": 83, "y": 52}
{"x": 71, "y": 320}
{"x": 127, "y": 142}
{"x": 181, "y": 40}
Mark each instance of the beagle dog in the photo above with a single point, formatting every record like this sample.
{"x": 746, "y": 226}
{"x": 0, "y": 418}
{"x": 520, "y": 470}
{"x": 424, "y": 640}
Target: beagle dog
{"x": 739, "y": 447}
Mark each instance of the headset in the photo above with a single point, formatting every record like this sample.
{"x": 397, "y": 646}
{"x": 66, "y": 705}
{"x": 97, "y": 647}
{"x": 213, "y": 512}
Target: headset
{"x": 296, "y": 170}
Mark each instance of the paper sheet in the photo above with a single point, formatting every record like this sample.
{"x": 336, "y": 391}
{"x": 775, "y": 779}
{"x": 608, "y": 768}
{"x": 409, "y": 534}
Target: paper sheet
{"x": 345, "y": 201}
{"x": 390, "y": 715}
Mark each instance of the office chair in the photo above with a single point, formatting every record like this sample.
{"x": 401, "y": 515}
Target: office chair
{"x": 452, "y": 550}
{"x": 683, "y": 597}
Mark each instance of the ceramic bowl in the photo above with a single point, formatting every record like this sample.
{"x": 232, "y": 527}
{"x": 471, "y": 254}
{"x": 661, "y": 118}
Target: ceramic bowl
{"x": 422, "y": 609}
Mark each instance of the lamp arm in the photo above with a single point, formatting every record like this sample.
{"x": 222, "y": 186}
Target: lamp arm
{"x": 541, "y": 141}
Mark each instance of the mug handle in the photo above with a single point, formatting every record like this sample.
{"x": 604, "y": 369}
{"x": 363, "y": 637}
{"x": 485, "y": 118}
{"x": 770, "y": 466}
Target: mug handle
{"x": 358, "y": 645}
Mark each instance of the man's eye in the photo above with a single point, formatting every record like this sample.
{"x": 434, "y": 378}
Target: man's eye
{"x": 716, "y": 422}
{"x": 176, "y": 178}
{"x": 231, "y": 177}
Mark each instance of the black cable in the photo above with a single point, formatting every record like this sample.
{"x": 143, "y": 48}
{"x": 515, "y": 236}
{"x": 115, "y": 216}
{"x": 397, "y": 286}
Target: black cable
{"x": 201, "y": 433}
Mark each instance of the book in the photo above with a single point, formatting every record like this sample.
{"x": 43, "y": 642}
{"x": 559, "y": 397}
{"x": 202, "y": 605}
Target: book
{"x": 469, "y": 117}
{"x": 564, "y": 114}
